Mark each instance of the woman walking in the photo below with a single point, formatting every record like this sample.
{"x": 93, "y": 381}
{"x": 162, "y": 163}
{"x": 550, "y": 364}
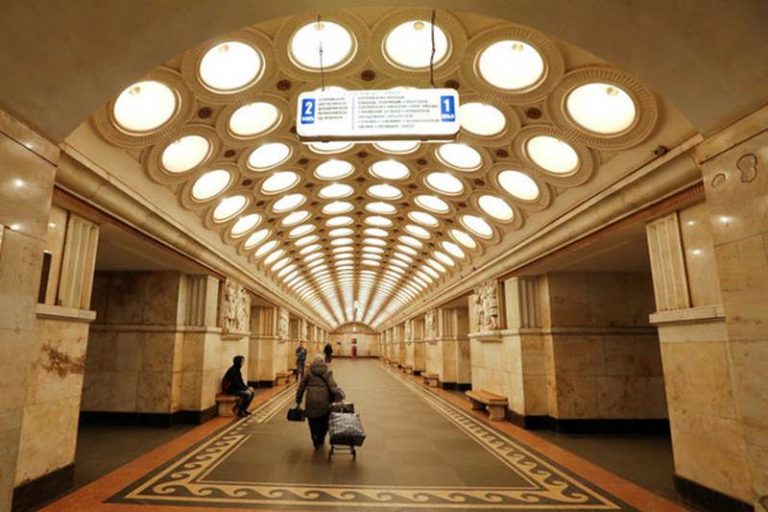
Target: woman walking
{"x": 321, "y": 391}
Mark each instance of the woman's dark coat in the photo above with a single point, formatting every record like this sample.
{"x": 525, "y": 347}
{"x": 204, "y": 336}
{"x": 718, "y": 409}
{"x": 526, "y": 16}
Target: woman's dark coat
{"x": 321, "y": 390}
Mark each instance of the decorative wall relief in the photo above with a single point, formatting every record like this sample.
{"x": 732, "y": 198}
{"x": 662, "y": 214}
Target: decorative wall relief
{"x": 747, "y": 165}
{"x": 283, "y": 322}
{"x": 486, "y": 307}
{"x": 237, "y": 307}
{"x": 303, "y": 330}
{"x": 430, "y": 325}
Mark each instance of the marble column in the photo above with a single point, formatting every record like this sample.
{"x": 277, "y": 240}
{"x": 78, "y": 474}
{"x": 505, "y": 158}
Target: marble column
{"x": 419, "y": 354}
{"x": 266, "y": 357}
{"x": 452, "y": 334}
{"x": 27, "y": 167}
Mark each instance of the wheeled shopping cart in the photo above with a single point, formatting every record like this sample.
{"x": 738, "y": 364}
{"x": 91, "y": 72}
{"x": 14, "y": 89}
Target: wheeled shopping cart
{"x": 346, "y": 431}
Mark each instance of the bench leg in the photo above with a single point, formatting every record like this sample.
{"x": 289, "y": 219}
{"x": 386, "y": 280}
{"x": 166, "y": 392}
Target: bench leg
{"x": 476, "y": 406}
{"x": 226, "y": 409}
{"x": 496, "y": 412}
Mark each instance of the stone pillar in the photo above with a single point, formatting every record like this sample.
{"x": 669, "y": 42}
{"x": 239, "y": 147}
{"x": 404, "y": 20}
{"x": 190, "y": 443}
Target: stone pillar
{"x": 452, "y": 334}
{"x": 491, "y": 361}
{"x": 433, "y": 349}
{"x": 27, "y": 166}
{"x": 602, "y": 357}
{"x": 419, "y": 354}
{"x": 265, "y": 361}
{"x": 47, "y": 456}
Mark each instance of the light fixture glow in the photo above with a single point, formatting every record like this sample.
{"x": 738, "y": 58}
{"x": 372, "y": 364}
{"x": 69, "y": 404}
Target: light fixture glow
{"x": 254, "y": 119}
{"x": 601, "y": 108}
{"x": 185, "y": 153}
{"x": 230, "y": 67}
{"x": 519, "y": 185}
{"x": 211, "y": 184}
{"x": 511, "y": 65}
{"x": 338, "y": 45}
{"x": 482, "y": 119}
{"x": 268, "y": 155}
{"x": 409, "y": 45}
{"x": 144, "y": 106}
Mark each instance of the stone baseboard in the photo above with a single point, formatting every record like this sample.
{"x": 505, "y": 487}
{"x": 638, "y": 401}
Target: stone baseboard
{"x": 31, "y": 495}
{"x": 261, "y": 383}
{"x": 708, "y": 499}
{"x": 528, "y": 421}
{"x": 609, "y": 426}
{"x": 147, "y": 419}
{"x": 456, "y": 386}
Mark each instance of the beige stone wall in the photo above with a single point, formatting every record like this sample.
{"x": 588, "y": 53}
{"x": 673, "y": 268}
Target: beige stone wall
{"x": 602, "y": 356}
{"x": 367, "y": 341}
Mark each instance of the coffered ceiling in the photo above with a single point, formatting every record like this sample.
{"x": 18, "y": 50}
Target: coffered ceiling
{"x": 360, "y": 231}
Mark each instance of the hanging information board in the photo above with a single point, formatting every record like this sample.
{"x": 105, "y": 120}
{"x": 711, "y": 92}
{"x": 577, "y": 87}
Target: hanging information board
{"x": 374, "y": 115}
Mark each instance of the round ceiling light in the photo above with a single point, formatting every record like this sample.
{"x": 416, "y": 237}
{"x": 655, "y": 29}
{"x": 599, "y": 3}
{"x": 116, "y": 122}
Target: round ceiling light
{"x": 306, "y": 240}
{"x": 342, "y": 241}
{"x": 477, "y": 225}
{"x": 381, "y": 208}
{"x": 268, "y": 155}
{"x": 337, "y": 44}
{"x": 341, "y": 232}
{"x": 288, "y": 203}
{"x": 496, "y": 208}
{"x": 445, "y": 183}
{"x": 334, "y": 169}
{"x": 229, "y": 207}
{"x": 601, "y": 108}
{"x": 397, "y": 147}
{"x": 453, "y": 249}
{"x": 418, "y": 231}
{"x": 375, "y": 232}
{"x": 295, "y": 218}
{"x": 460, "y": 156}
{"x": 337, "y": 207}
{"x": 424, "y": 219}
{"x": 409, "y": 240}
{"x": 482, "y": 119}
{"x": 279, "y": 182}
{"x": 264, "y": 249}
{"x": 330, "y": 148}
{"x": 379, "y": 222}
{"x": 230, "y": 67}
{"x": 390, "y": 170}
{"x": 254, "y": 119}
{"x": 433, "y": 204}
{"x": 463, "y": 238}
{"x": 185, "y": 153}
{"x": 245, "y": 224}
{"x": 511, "y": 65}
{"x": 552, "y": 154}
{"x": 375, "y": 241}
{"x": 211, "y": 184}
{"x": 256, "y": 238}
{"x": 272, "y": 257}
{"x": 336, "y": 191}
{"x": 144, "y": 106}
{"x": 409, "y": 45}
{"x": 301, "y": 230}
{"x": 519, "y": 185}
{"x": 385, "y": 191}
{"x": 444, "y": 258}
{"x": 341, "y": 220}
{"x": 407, "y": 250}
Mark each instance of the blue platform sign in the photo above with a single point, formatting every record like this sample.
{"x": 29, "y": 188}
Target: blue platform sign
{"x": 308, "y": 110}
{"x": 447, "y": 108}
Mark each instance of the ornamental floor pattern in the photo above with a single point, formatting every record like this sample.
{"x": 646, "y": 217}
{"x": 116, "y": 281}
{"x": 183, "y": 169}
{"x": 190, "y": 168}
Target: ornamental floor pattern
{"x": 424, "y": 451}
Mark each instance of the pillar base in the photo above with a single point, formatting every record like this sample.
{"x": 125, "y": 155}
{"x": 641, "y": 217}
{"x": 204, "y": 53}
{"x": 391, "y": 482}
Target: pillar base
{"x": 30, "y": 495}
{"x": 707, "y": 498}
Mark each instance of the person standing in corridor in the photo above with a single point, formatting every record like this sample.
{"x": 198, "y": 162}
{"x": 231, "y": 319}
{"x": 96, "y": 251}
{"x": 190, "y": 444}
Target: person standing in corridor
{"x": 321, "y": 390}
{"x": 328, "y": 351}
{"x": 301, "y": 359}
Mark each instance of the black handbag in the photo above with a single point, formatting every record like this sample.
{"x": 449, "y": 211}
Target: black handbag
{"x": 296, "y": 414}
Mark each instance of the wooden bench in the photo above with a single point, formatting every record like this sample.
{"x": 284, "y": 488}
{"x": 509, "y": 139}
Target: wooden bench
{"x": 226, "y": 404}
{"x": 495, "y": 404}
{"x": 431, "y": 379}
{"x": 283, "y": 377}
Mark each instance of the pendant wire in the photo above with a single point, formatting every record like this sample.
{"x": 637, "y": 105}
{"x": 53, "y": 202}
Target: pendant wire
{"x": 432, "y": 55}
{"x": 320, "y": 55}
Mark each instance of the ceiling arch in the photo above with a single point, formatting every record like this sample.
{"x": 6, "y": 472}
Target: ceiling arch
{"x": 707, "y": 58}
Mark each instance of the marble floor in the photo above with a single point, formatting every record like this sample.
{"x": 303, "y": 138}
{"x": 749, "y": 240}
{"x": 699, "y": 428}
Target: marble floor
{"x": 425, "y": 450}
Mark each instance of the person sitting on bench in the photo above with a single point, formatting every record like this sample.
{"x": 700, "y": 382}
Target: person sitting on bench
{"x": 233, "y": 384}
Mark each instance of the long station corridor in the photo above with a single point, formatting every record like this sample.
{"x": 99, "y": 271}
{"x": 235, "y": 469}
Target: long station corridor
{"x": 530, "y": 238}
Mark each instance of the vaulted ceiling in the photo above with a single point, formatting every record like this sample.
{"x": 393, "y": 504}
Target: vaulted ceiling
{"x": 360, "y": 231}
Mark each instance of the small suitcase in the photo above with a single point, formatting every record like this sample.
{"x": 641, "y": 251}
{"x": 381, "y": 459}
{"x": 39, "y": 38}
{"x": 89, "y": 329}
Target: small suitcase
{"x": 346, "y": 430}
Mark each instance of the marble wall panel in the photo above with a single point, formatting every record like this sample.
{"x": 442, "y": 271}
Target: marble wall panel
{"x": 698, "y": 250}
{"x": 434, "y": 357}
{"x": 626, "y": 397}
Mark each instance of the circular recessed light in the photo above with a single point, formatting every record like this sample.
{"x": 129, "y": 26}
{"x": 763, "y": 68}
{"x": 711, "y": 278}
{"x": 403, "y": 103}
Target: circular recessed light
{"x": 310, "y": 248}
{"x": 295, "y": 218}
{"x": 144, "y": 106}
{"x": 552, "y": 154}
{"x": 511, "y": 65}
{"x": 410, "y": 44}
{"x": 342, "y": 241}
{"x": 229, "y": 207}
{"x": 230, "y": 67}
{"x": 433, "y": 204}
{"x": 279, "y": 182}
{"x": 211, "y": 184}
{"x": 390, "y": 170}
{"x": 444, "y": 258}
{"x": 336, "y": 42}
{"x": 496, "y": 207}
{"x": 306, "y": 240}
{"x": 185, "y": 153}
{"x": 268, "y": 155}
{"x": 264, "y": 249}
{"x": 373, "y": 250}
{"x": 463, "y": 238}
{"x": 418, "y": 231}
{"x": 477, "y": 225}
{"x": 445, "y": 183}
{"x": 330, "y": 148}
{"x": 340, "y": 250}
{"x": 460, "y": 156}
{"x": 341, "y": 220}
{"x": 336, "y": 191}
{"x": 397, "y": 147}
{"x": 334, "y": 169}
{"x": 288, "y": 202}
{"x": 403, "y": 257}
{"x": 453, "y": 249}
{"x": 601, "y": 108}
{"x": 381, "y": 208}
{"x": 409, "y": 240}
{"x": 437, "y": 266}
{"x": 482, "y": 119}
{"x": 272, "y": 257}
{"x": 519, "y": 185}
{"x": 375, "y": 241}
{"x": 379, "y": 222}
{"x": 301, "y": 230}
{"x": 313, "y": 257}
{"x": 384, "y": 191}
{"x": 424, "y": 219}
{"x": 245, "y": 224}
{"x": 375, "y": 232}
{"x": 341, "y": 232}
{"x": 256, "y": 238}
{"x": 337, "y": 207}
{"x": 254, "y": 119}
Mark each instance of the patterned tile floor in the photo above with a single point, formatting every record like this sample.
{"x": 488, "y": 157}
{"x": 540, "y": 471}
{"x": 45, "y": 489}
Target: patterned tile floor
{"x": 424, "y": 451}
